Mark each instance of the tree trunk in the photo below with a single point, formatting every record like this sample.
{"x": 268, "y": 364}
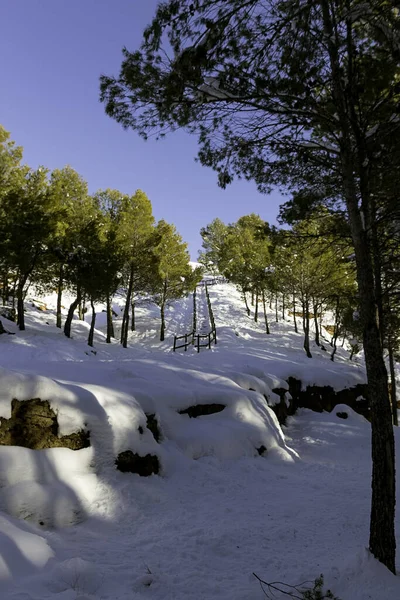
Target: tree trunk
{"x": 59, "y": 295}
{"x": 20, "y": 307}
{"x": 247, "y": 306}
{"x": 125, "y": 318}
{"x": 306, "y": 327}
{"x": 92, "y": 324}
{"x": 343, "y": 338}
{"x": 20, "y": 300}
{"x": 110, "y": 326}
{"x": 81, "y": 308}
{"x": 294, "y": 314}
{"x": 316, "y": 325}
{"x": 162, "y": 330}
{"x": 133, "y": 322}
{"x": 334, "y": 344}
{"x": 382, "y": 541}
{"x": 265, "y": 313}
{"x": 252, "y": 297}
{"x": 256, "y": 308}
{"x": 276, "y": 308}
{"x": 5, "y": 287}
{"x": 72, "y": 308}
{"x": 283, "y": 306}
{"x": 393, "y": 395}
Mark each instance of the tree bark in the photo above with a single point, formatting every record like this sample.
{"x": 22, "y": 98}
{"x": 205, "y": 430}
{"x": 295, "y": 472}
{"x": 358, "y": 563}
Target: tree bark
{"x": 133, "y": 321}
{"x": 306, "y": 327}
{"x": 265, "y": 313}
{"x": 20, "y": 308}
{"x": 393, "y": 394}
{"x": 276, "y": 308}
{"x": 92, "y": 324}
{"x": 256, "y": 307}
{"x": 162, "y": 330}
{"x": 283, "y": 306}
{"x": 20, "y": 300}
{"x": 110, "y": 326}
{"x": 245, "y": 301}
{"x": 72, "y": 308}
{"x": 316, "y": 325}
{"x": 125, "y": 318}
{"x": 5, "y": 287}
{"x": 59, "y": 296}
{"x": 294, "y": 314}
{"x": 336, "y": 332}
{"x": 382, "y": 541}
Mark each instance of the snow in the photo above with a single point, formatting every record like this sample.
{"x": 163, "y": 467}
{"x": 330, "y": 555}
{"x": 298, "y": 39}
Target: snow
{"x": 72, "y": 527}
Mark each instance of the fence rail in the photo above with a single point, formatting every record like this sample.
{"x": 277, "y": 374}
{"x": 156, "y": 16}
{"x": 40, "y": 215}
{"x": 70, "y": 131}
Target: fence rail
{"x": 194, "y": 339}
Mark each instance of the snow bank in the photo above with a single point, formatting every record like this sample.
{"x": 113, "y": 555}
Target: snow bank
{"x": 22, "y": 552}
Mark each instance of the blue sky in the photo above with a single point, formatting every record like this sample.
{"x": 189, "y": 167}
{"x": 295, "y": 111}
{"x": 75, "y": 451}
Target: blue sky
{"x": 53, "y": 52}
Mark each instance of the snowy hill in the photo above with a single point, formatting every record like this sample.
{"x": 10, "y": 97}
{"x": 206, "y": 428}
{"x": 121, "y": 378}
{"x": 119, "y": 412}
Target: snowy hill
{"x": 236, "y": 493}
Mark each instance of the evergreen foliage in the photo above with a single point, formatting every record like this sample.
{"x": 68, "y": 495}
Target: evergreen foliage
{"x": 297, "y": 94}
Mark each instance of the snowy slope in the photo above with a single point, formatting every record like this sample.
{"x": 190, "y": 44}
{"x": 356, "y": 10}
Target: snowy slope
{"x": 74, "y": 527}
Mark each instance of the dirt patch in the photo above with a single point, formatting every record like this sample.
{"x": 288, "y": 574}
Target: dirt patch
{"x": 130, "y": 462}
{"x": 200, "y": 410}
{"x": 33, "y": 424}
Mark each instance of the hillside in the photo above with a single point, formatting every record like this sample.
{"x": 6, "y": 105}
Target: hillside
{"x": 236, "y": 492}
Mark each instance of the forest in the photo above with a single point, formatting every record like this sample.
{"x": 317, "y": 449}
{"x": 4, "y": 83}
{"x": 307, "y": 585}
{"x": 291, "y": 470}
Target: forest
{"x": 56, "y": 236}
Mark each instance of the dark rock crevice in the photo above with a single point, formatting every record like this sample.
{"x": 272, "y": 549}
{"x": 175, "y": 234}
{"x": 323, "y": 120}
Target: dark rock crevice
{"x": 200, "y": 410}
{"x": 320, "y": 398}
{"x": 131, "y": 462}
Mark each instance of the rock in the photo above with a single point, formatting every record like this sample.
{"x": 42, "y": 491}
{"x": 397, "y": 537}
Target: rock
{"x": 129, "y": 462}
{"x": 33, "y": 424}
{"x": 342, "y": 415}
{"x": 261, "y": 450}
{"x": 199, "y": 410}
{"x": 153, "y": 426}
{"x": 7, "y": 313}
{"x": 282, "y": 410}
{"x": 320, "y": 398}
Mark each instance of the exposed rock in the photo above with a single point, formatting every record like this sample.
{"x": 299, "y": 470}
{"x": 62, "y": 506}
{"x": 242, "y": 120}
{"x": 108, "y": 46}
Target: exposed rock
{"x": 199, "y": 410}
{"x": 153, "y": 426}
{"x": 130, "y": 462}
{"x": 33, "y": 424}
{"x": 282, "y": 410}
{"x": 342, "y": 415}
{"x": 7, "y": 313}
{"x": 320, "y": 398}
{"x": 261, "y": 450}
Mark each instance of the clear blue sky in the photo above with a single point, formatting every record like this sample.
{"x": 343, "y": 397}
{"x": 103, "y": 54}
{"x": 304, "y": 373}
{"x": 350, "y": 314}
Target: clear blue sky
{"x": 53, "y": 52}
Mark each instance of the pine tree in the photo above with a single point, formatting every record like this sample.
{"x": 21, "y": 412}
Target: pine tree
{"x": 27, "y": 226}
{"x": 69, "y": 193}
{"x": 136, "y": 229}
{"x": 318, "y": 85}
{"x": 172, "y": 275}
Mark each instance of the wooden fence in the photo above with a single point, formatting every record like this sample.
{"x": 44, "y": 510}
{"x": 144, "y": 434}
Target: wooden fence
{"x": 192, "y": 338}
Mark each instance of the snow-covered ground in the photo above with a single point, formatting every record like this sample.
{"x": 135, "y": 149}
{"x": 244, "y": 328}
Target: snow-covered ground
{"x": 73, "y": 527}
